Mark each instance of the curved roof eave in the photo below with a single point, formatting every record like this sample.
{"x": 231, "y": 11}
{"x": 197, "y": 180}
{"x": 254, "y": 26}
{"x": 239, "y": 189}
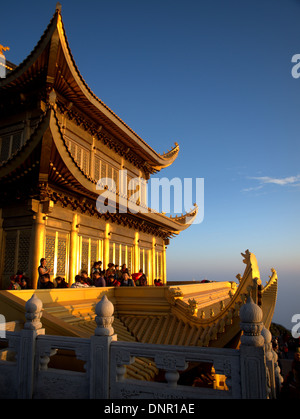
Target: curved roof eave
{"x": 91, "y": 185}
{"x": 178, "y": 223}
{"x": 66, "y": 156}
{"x": 7, "y": 167}
{"x": 157, "y": 161}
{"x": 33, "y": 56}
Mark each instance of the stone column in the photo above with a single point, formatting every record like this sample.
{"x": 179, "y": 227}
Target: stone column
{"x": 26, "y": 356}
{"x": 252, "y": 354}
{"x": 100, "y": 350}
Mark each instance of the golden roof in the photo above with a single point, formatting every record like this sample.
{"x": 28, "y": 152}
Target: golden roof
{"x": 52, "y": 66}
{"x": 52, "y": 62}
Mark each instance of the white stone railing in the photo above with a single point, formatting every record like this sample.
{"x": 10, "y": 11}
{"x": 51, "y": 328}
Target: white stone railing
{"x": 172, "y": 359}
{"x": 251, "y": 372}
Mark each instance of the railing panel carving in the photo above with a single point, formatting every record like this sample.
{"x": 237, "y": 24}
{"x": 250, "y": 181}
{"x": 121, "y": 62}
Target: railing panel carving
{"x": 172, "y": 360}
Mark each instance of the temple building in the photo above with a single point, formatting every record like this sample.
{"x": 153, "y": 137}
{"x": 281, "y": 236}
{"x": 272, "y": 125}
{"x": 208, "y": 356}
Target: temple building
{"x": 57, "y": 139}
{"x": 73, "y": 179}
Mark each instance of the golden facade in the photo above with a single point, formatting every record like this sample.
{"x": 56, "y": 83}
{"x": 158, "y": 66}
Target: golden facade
{"x": 56, "y": 140}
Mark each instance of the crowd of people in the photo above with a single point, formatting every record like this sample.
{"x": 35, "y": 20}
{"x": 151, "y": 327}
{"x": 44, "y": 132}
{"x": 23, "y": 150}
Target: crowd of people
{"x": 19, "y": 281}
{"x": 112, "y": 276}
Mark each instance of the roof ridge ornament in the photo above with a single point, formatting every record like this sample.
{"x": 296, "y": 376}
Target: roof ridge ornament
{"x": 171, "y": 152}
{"x": 3, "y": 48}
{"x": 58, "y": 7}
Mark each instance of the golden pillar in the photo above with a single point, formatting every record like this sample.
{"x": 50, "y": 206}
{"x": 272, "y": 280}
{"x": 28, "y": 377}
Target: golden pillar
{"x": 136, "y": 253}
{"x": 150, "y": 275}
{"x": 38, "y": 243}
{"x": 164, "y": 263}
{"x": 106, "y": 247}
{"x": 73, "y": 249}
{"x": 153, "y": 262}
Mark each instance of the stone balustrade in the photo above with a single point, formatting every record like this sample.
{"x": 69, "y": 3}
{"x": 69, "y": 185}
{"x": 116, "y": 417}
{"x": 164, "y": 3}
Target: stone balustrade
{"x": 250, "y": 372}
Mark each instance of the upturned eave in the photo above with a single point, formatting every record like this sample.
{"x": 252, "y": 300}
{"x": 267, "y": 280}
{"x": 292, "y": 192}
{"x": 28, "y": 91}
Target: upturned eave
{"x": 52, "y": 60}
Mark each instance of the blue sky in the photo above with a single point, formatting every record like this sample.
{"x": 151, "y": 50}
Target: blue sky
{"x": 215, "y": 77}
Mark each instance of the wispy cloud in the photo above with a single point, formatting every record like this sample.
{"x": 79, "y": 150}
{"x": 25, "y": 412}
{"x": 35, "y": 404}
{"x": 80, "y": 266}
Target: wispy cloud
{"x": 254, "y": 188}
{"x": 264, "y": 180}
{"x": 283, "y": 181}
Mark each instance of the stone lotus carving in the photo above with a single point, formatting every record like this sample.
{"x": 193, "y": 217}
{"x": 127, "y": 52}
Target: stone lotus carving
{"x": 104, "y": 317}
{"x": 34, "y": 311}
{"x": 251, "y": 323}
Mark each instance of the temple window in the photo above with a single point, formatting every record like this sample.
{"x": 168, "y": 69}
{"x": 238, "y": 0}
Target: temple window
{"x": 80, "y": 154}
{"x": 10, "y": 143}
{"x": 120, "y": 254}
{"x": 56, "y": 252}
{"x": 90, "y": 251}
{"x": 17, "y": 248}
{"x": 144, "y": 260}
{"x": 105, "y": 170}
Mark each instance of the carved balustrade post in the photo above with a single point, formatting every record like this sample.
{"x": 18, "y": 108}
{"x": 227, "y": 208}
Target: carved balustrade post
{"x": 252, "y": 352}
{"x": 270, "y": 363}
{"x": 123, "y": 358}
{"x": 26, "y": 356}
{"x": 277, "y": 372}
{"x": 171, "y": 363}
{"x": 100, "y": 350}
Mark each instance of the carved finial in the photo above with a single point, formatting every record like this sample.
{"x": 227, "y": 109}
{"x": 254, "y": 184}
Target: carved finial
{"x": 58, "y": 7}
{"x": 34, "y": 309}
{"x": 274, "y": 273}
{"x": 239, "y": 277}
{"x": 104, "y": 317}
{"x": 246, "y": 256}
{"x": 251, "y": 324}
